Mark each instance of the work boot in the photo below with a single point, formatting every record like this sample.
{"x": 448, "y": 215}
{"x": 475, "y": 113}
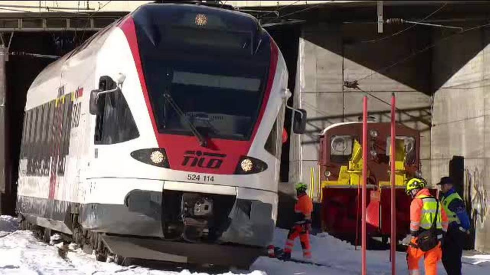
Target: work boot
{"x": 285, "y": 256}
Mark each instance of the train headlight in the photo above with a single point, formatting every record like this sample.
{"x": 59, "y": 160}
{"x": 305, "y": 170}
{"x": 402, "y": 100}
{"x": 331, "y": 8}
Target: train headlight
{"x": 246, "y": 165}
{"x": 152, "y": 156}
{"x": 249, "y": 165}
{"x": 373, "y": 133}
{"x": 157, "y": 157}
{"x": 327, "y": 174}
{"x": 373, "y": 153}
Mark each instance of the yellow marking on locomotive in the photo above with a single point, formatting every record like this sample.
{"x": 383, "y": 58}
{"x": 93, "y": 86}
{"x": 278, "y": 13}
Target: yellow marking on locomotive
{"x": 351, "y": 175}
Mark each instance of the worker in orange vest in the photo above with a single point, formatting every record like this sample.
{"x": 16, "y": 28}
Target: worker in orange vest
{"x": 428, "y": 222}
{"x": 302, "y": 226}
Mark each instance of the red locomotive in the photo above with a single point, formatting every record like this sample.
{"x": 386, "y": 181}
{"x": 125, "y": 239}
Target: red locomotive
{"x": 340, "y": 164}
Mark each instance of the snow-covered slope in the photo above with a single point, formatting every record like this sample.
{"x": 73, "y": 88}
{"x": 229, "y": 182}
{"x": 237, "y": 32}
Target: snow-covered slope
{"x": 22, "y": 253}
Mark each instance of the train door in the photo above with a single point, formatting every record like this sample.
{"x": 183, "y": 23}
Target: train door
{"x": 114, "y": 124}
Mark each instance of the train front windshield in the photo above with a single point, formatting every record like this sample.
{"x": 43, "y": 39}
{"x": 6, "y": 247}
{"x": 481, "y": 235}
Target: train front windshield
{"x": 216, "y": 75}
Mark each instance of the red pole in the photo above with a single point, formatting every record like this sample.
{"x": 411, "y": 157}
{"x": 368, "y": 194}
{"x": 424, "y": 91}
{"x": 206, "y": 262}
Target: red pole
{"x": 364, "y": 181}
{"x": 393, "y": 198}
{"x": 357, "y": 215}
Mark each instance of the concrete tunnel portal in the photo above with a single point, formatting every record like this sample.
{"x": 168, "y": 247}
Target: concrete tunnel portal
{"x": 28, "y": 45}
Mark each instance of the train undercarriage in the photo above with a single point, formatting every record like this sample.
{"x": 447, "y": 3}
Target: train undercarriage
{"x": 193, "y": 226}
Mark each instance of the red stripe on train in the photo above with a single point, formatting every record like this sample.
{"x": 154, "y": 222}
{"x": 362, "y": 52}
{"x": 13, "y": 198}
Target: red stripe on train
{"x": 177, "y": 145}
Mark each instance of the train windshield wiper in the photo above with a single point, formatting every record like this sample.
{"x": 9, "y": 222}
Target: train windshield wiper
{"x": 202, "y": 141}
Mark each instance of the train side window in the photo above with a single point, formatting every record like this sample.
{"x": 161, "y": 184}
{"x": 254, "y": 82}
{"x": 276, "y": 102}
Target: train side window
{"x": 115, "y": 123}
{"x": 63, "y": 134}
{"x": 28, "y": 140}
{"x": 33, "y": 157}
{"x": 24, "y": 136}
{"x": 39, "y": 147}
{"x": 50, "y": 129}
{"x": 341, "y": 148}
{"x": 273, "y": 143}
{"x": 42, "y": 142}
{"x": 32, "y": 141}
{"x": 270, "y": 144}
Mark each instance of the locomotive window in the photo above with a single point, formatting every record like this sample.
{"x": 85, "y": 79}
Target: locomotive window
{"x": 270, "y": 144}
{"x": 341, "y": 148}
{"x": 183, "y": 37}
{"x": 116, "y": 123}
{"x": 30, "y": 142}
{"x": 274, "y": 144}
{"x": 24, "y": 135}
{"x": 409, "y": 146}
{"x": 217, "y": 81}
{"x": 30, "y": 134}
{"x": 39, "y": 147}
{"x": 42, "y": 145}
{"x": 49, "y": 126}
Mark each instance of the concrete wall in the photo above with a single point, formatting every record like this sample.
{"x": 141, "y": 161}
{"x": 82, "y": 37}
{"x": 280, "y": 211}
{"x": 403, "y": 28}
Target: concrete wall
{"x": 462, "y": 119}
{"x": 332, "y": 54}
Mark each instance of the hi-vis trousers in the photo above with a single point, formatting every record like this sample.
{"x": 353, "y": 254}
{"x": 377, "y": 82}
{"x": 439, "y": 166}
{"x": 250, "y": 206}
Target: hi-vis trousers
{"x": 431, "y": 258}
{"x": 304, "y": 237}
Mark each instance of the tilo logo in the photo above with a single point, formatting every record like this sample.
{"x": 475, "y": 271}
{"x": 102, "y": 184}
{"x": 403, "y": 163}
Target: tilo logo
{"x": 203, "y": 160}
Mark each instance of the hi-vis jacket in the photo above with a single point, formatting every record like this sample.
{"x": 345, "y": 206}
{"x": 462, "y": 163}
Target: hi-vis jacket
{"x": 303, "y": 208}
{"x": 455, "y": 210}
{"x": 422, "y": 213}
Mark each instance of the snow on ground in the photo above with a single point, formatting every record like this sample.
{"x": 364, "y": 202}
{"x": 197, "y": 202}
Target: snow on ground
{"x": 22, "y": 253}
{"x": 342, "y": 258}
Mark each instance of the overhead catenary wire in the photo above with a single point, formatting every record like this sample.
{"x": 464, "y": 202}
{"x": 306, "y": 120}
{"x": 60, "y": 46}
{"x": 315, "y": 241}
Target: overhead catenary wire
{"x": 277, "y": 10}
{"x": 34, "y": 55}
{"x": 91, "y": 15}
{"x": 45, "y": 7}
{"x": 402, "y": 21}
{"x": 417, "y": 53}
{"x": 406, "y": 29}
{"x": 428, "y": 123}
{"x": 296, "y": 12}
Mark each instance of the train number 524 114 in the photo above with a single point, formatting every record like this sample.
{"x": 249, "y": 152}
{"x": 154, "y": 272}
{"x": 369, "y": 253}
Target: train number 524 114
{"x": 195, "y": 177}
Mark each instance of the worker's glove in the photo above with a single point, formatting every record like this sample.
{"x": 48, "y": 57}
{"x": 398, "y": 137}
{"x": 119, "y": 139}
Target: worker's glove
{"x": 406, "y": 241}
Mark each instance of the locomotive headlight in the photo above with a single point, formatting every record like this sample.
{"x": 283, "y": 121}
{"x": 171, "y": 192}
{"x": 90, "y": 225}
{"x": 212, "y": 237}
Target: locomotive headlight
{"x": 153, "y": 156}
{"x": 246, "y": 165}
{"x": 373, "y": 133}
{"x": 157, "y": 157}
{"x": 250, "y": 165}
{"x": 327, "y": 174}
{"x": 373, "y": 153}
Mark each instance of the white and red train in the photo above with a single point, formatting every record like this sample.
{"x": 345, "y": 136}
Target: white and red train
{"x": 159, "y": 138}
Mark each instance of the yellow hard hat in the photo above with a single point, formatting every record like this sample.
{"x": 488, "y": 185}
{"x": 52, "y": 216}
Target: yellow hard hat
{"x": 415, "y": 183}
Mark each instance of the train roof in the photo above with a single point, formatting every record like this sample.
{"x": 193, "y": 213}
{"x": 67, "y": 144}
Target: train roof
{"x": 337, "y": 125}
{"x": 146, "y": 12}
{"x": 324, "y": 131}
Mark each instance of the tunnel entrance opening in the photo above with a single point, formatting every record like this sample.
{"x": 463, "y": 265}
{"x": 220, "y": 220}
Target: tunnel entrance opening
{"x": 20, "y": 70}
{"x": 287, "y": 39}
